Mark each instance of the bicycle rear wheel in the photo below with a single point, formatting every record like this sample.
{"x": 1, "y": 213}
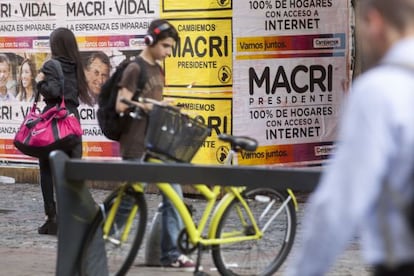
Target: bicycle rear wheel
{"x": 272, "y": 209}
{"x": 119, "y": 254}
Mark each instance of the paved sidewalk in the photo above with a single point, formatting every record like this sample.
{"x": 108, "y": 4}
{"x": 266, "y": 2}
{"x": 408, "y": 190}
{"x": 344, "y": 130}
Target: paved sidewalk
{"x": 24, "y": 252}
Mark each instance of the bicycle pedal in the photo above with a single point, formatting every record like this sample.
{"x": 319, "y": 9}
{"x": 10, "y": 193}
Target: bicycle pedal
{"x": 249, "y": 230}
{"x": 114, "y": 241}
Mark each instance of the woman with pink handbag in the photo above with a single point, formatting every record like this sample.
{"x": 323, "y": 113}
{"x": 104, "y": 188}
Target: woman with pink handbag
{"x": 65, "y": 50}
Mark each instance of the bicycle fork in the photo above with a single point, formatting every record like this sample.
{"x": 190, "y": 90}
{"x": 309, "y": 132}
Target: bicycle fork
{"x": 112, "y": 227}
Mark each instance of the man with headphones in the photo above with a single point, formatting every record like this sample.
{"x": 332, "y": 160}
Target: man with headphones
{"x": 160, "y": 39}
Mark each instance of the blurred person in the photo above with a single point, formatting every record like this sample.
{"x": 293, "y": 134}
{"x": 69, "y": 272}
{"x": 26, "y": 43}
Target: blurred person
{"x": 160, "y": 39}
{"x": 27, "y": 84}
{"x": 369, "y": 182}
{"x": 97, "y": 69}
{"x": 64, "y": 48}
{"x": 6, "y": 92}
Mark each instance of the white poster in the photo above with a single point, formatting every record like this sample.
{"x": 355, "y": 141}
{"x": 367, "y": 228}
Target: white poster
{"x": 291, "y": 72}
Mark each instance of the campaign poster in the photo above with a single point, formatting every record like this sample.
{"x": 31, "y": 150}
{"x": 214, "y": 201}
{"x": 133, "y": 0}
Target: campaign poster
{"x": 107, "y": 32}
{"x": 290, "y": 75}
{"x": 199, "y": 72}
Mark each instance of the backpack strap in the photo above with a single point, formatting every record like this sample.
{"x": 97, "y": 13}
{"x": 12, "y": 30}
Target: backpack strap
{"x": 143, "y": 77}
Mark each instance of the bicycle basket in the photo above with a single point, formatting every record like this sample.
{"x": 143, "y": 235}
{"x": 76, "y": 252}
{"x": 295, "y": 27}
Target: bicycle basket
{"x": 174, "y": 134}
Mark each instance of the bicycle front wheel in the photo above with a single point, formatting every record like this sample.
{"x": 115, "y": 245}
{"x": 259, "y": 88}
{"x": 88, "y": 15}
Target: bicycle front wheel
{"x": 122, "y": 242}
{"x": 275, "y": 216}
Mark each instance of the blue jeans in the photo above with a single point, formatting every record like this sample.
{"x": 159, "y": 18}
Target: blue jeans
{"x": 171, "y": 225}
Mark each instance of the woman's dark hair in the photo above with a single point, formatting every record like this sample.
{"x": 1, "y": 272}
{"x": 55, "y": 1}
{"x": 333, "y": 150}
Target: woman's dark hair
{"x": 63, "y": 44}
{"x": 164, "y": 33}
{"x": 22, "y": 93}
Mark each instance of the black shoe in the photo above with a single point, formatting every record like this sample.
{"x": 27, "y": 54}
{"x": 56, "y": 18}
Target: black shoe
{"x": 48, "y": 228}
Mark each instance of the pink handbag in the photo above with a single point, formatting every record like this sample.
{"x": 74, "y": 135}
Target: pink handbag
{"x": 56, "y": 128}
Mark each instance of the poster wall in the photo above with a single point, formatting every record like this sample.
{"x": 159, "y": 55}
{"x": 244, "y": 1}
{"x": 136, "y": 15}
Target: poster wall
{"x": 276, "y": 70}
{"x": 290, "y": 74}
{"x": 199, "y": 73}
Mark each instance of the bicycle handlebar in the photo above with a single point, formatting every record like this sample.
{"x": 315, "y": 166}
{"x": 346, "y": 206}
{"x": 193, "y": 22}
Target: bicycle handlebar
{"x": 239, "y": 142}
{"x": 132, "y": 103}
{"x": 236, "y": 142}
{"x": 137, "y": 112}
{"x": 134, "y": 111}
{"x": 149, "y": 100}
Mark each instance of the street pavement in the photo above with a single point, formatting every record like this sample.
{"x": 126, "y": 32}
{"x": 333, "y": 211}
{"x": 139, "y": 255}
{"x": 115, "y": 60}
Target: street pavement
{"x": 24, "y": 252}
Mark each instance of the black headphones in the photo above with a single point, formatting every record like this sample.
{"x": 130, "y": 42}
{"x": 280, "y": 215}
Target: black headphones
{"x": 151, "y": 37}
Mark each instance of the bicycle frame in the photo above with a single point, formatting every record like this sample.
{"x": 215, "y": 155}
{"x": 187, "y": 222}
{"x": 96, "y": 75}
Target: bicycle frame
{"x": 138, "y": 187}
{"x": 231, "y": 214}
{"x": 212, "y": 212}
{"x": 195, "y": 233}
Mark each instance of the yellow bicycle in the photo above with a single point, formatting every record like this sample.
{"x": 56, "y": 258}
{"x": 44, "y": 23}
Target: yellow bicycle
{"x": 249, "y": 231}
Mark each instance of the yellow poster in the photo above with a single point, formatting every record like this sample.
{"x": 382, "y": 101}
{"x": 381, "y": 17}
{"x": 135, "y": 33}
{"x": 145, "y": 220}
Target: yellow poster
{"x": 194, "y": 6}
{"x": 203, "y": 55}
{"x": 213, "y": 112}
